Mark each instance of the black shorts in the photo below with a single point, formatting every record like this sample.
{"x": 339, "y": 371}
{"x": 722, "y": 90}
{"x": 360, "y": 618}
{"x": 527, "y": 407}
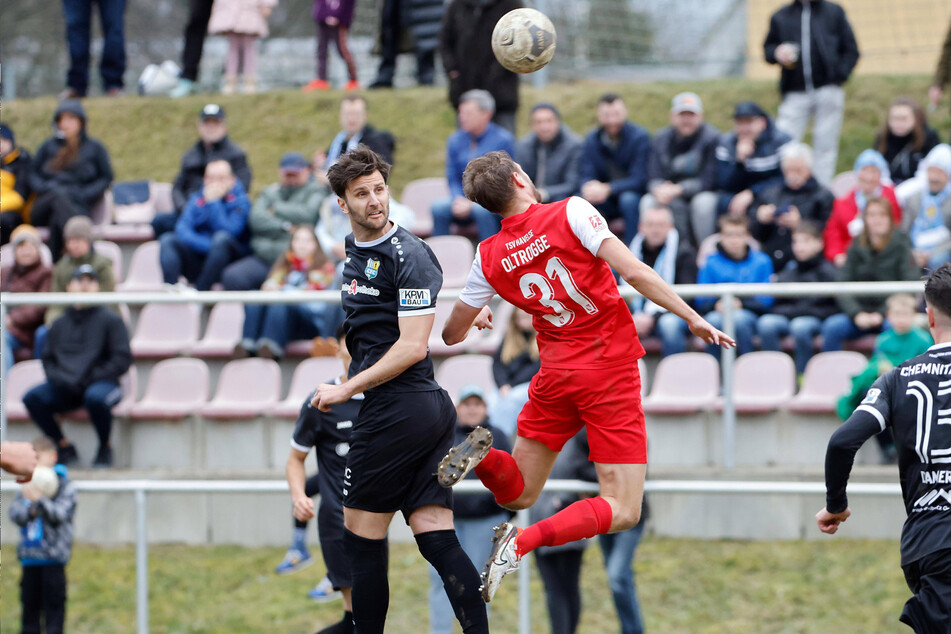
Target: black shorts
{"x": 395, "y": 447}
{"x": 929, "y": 610}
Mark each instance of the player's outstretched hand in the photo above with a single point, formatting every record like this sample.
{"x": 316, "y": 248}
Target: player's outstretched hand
{"x": 327, "y": 395}
{"x": 18, "y": 458}
{"x": 711, "y": 335}
{"x": 484, "y": 319}
{"x": 303, "y": 509}
{"x": 829, "y": 522}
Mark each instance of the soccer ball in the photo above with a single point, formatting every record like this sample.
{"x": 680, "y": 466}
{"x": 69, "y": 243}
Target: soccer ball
{"x": 523, "y": 40}
{"x": 45, "y": 481}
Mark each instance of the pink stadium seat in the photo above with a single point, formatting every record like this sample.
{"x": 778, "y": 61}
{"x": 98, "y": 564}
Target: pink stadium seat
{"x": 161, "y": 194}
{"x": 437, "y": 347}
{"x": 683, "y": 384}
{"x": 112, "y": 251}
{"x": 247, "y": 388}
{"x": 101, "y": 212}
{"x": 223, "y": 331}
{"x": 762, "y": 382}
{"x": 455, "y": 255}
{"x": 488, "y": 341}
{"x": 176, "y": 388}
{"x": 843, "y": 183}
{"x": 166, "y": 330}
{"x": 458, "y": 371}
{"x": 145, "y": 272}
{"x": 7, "y": 259}
{"x": 827, "y": 377}
{"x": 419, "y": 195}
{"x": 23, "y": 377}
{"x": 307, "y": 376}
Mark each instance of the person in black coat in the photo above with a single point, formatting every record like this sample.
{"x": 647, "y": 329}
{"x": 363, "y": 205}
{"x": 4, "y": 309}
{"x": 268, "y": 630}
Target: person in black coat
{"x": 86, "y": 353}
{"x": 69, "y": 173}
{"x": 905, "y": 138}
{"x": 354, "y": 131}
{"x": 550, "y": 154}
{"x": 422, "y": 19}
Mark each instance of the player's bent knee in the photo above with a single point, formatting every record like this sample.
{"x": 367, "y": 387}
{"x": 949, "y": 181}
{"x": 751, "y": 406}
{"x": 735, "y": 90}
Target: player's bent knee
{"x": 625, "y": 519}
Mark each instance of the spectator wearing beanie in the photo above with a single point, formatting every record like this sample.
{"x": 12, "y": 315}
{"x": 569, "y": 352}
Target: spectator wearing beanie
{"x": 27, "y": 275}
{"x": 927, "y": 216}
{"x": 69, "y": 173}
{"x": 15, "y": 193}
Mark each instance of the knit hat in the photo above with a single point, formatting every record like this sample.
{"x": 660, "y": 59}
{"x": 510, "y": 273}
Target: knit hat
{"x": 7, "y": 133}
{"x": 940, "y": 157}
{"x": 25, "y": 232}
{"x": 72, "y": 106}
{"x": 78, "y": 227}
{"x": 873, "y": 158}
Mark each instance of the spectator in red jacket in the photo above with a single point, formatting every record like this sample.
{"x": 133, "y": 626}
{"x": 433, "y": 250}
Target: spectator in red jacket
{"x": 845, "y": 223}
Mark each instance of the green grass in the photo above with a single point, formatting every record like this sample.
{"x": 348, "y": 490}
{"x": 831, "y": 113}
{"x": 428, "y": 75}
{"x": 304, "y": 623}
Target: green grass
{"x": 689, "y": 586}
{"x": 146, "y": 137}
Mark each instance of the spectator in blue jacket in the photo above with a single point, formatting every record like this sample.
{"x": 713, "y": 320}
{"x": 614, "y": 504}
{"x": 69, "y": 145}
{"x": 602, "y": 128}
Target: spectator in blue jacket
{"x": 748, "y": 158}
{"x": 476, "y": 136}
{"x": 735, "y": 262}
{"x": 614, "y": 164}
{"x": 212, "y": 231}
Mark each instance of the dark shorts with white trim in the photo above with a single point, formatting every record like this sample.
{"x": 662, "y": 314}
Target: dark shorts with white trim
{"x": 929, "y": 610}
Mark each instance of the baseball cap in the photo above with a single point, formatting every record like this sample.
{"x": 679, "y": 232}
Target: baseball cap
{"x": 686, "y": 102}
{"x": 294, "y": 162}
{"x": 84, "y": 270}
{"x": 471, "y": 390}
{"x": 212, "y": 111}
{"x": 748, "y": 109}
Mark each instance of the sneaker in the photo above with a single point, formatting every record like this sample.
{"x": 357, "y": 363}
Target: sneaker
{"x": 240, "y": 352}
{"x": 464, "y": 457}
{"x": 67, "y": 456}
{"x": 503, "y": 560}
{"x": 380, "y": 83}
{"x": 267, "y": 352}
{"x": 324, "y": 592}
{"x": 295, "y": 559}
{"x": 103, "y": 458}
{"x": 183, "y": 88}
{"x": 352, "y": 85}
{"x": 317, "y": 84}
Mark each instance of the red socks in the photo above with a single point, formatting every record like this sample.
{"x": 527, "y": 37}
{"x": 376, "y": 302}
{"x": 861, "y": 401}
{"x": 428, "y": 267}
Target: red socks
{"x": 583, "y": 519}
{"x": 500, "y": 475}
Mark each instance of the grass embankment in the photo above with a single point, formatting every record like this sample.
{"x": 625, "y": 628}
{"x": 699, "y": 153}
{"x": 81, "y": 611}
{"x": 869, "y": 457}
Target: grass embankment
{"x": 685, "y": 586}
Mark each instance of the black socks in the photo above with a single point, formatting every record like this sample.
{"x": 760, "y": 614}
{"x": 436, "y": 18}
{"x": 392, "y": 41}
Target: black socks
{"x": 459, "y": 577}
{"x": 371, "y": 590}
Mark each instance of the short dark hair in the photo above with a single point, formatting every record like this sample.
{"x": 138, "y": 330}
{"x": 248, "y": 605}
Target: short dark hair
{"x": 938, "y": 290}
{"x": 546, "y": 105}
{"x": 609, "y": 97}
{"x": 360, "y": 161}
{"x": 487, "y": 180}
{"x": 809, "y": 228}
{"x": 734, "y": 221}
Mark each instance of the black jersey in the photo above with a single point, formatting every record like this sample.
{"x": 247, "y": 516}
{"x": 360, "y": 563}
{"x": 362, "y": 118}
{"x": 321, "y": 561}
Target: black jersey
{"x": 329, "y": 434}
{"x": 394, "y": 276}
{"x": 914, "y": 399}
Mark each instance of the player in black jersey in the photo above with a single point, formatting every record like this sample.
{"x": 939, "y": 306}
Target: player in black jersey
{"x": 390, "y": 282}
{"x": 914, "y": 400}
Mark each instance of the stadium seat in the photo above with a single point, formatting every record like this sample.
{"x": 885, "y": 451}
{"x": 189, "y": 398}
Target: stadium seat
{"x": 162, "y": 195}
{"x": 308, "y": 375}
{"x": 762, "y": 382}
{"x": 843, "y": 183}
{"x": 464, "y": 369}
{"x": 223, "y": 331}
{"x": 7, "y": 258}
{"x": 175, "y": 389}
{"x": 455, "y": 255}
{"x": 247, "y": 388}
{"x": 684, "y": 383}
{"x": 112, "y": 251}
{"x": 101, "y": 212}
{"x": 419, "y": 195}
{"x": 166, "y": 330}
{"x": 145, "y": 272}
{"x": 488, "y": 341}
{"x": 23, "y": 377}
{"x": 437, "y": 347}
{"x": 827, "y": 377}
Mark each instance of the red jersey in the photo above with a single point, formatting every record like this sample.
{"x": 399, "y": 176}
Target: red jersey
{"x": 543, "y": 261}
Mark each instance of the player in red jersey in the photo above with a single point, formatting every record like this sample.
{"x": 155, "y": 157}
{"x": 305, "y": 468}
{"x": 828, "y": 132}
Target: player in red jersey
{"x": 554, "y": 261}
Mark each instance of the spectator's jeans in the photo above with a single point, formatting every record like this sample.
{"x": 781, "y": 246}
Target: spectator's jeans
{"x": 177, "y": 259}
{"x": 276, "y": 324}
{"x": 43, "y": 595}
{"x": 840, "y": 328}
{"x": 164, "y": 223}
{"x": 673, "y": 333}
{"x": 618, "y": 550}
{"x": 475, "y": 538}
{"x": 625, "y": 205}
{"x": 744, "y": 322}
{"x": 486, "y": 221}
{"x": 45, "y": 400}
{"x": 39, "y": 341}
{"x": 78, "y": 16}
{"x": 247, "y": 274}
{"x": 560, "y": 571}
{"x": 826, "y": 106}
{"x": 10, "y": 345}
{"x": 772, "y": 328}
{"x": 694, "y": 219}
{"x": 504, "y": 410}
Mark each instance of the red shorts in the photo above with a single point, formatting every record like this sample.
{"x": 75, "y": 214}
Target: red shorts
{"x": 607, "y": 401}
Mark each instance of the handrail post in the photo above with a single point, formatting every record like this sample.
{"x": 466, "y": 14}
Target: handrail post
{"x": 3, "y": 380}
{"x": 524, "y": 584}
{"x": 141, "y": 564}
{"x": 727, "y": 357}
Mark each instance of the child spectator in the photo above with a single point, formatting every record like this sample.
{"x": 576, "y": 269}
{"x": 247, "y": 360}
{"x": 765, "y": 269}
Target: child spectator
{"x": 243, "y": 21}
{"x": 268, "y": 327}
{"x": 333, "y": 18}
{"x": 927, "y": 219}
{"x": 514, "y": 365}
{"x": 897, "y": 344}
{"x": 27, "y": 275}
{"x": 800, "y": 316}
{"x": 46, "y": 543}
{"x": 15, "y": 194}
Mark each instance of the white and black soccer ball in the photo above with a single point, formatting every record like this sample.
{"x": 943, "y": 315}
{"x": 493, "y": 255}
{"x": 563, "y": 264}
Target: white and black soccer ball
{"x": 523, "y": 40}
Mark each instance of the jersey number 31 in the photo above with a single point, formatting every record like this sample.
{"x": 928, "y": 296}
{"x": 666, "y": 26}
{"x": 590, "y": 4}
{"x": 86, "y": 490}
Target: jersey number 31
{"x": 532, "y": 284}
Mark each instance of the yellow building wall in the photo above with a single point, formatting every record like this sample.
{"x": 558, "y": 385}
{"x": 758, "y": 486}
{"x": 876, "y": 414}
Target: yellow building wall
{"x": 902, "y": 37}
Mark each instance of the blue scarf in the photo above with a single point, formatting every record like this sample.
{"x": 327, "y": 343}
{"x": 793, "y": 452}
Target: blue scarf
{"x": 665, "y": 265}
{"x": 337, "y": 146}
{"x": 929, "y": 230}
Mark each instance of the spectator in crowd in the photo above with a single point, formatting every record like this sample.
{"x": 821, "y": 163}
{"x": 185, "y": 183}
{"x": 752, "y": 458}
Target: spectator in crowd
{"x": 747, "y": 158}
{"x": 70, "y": 173}
{"x": 800, "y": 316}
{"x": 813, "y": 42}
{"x": 354, "y": 130}
{"x": 777, "y": 210}
{"x": 196, "y": 27}
{"x": 900, "y": 342}
{"x": 476, "y": 136}
{"x": 682, "y": 170}
{"x": 927, "y": 217}
{"x": 847, "y": 219}
{"x": 614, "y": 164}
{"x": 514, "y": 365}
{"x": 422, "y": 18}
{"x": 46, "y": 544}
{"x": 465, "y": 47}
{"x": 904, "y": 140}
{"x": 242, "y": 23}
{"x": 294, "y": 201}
{"x": 213, "y": 145}
{"x": 942, "y": 73}
{"x": 474, "y": 516}
{"x": 550, "y": 154}
{"x": 735, "y": 262}
{"x": 880, "y": 253}
{"x": 211, "y": 233}
{"x": 333, "y": 18}
{"x": 268, "y": 327}
{"x": 16, "y": 197}
{"x": 27, "y": 275}
{"x": 659, "y": 245}
{"x": 87, "y": 352}
{"x": 78, "y": 17}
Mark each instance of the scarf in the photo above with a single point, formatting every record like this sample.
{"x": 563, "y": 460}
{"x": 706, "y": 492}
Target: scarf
{"x": 929, "y": 231}
{"x": 340, "y": 145}
{"x": 665, "y": 265}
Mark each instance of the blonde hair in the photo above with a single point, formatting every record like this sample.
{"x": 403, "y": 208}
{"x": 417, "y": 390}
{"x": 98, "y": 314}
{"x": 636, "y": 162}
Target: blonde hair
{"x": 516, "y": 342}
{"x": 901, "y": 300}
